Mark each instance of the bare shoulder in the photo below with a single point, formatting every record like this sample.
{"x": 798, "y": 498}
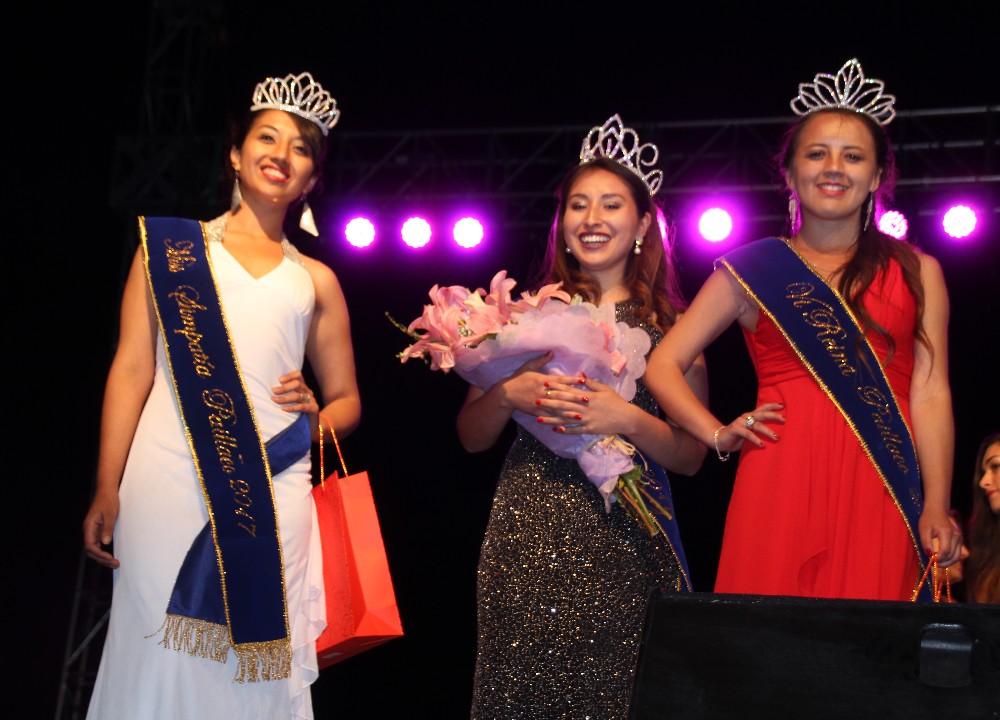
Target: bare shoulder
{"x": 931, "y": 273}
{"x": 927, "y": 262}
{"x": 322, "y": 274}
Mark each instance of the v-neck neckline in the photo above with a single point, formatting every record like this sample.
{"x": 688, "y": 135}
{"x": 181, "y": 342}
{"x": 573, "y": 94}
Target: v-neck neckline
{"x": 216, "y": 230}
{"x": 284, "y": 257}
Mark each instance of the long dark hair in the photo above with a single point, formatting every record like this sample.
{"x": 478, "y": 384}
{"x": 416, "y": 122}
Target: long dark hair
{"x": 983, "y": 566}
{"x": 650, "y": 277}
{"x": 874, "y": 248}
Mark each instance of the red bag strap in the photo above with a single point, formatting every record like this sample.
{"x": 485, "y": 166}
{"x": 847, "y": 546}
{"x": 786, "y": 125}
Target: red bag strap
{"x": 936, "y": 584}
{"x": 322, "y": 470}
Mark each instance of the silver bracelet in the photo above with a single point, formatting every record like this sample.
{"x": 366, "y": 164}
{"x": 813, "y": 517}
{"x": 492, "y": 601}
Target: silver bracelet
{"x": 722, "y": 456}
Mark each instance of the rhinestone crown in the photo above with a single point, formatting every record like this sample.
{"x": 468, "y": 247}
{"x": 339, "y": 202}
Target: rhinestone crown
{"x": 298, "y": 94}
{"x": 615, "y": 141}
{"x": 849, "y": 89}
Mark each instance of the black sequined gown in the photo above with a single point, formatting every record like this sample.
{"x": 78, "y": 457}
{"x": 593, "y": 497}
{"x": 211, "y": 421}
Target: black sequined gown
{"x": 562, "y": 588}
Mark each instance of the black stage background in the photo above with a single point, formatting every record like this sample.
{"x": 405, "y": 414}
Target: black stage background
{"x": 402, "y": 67}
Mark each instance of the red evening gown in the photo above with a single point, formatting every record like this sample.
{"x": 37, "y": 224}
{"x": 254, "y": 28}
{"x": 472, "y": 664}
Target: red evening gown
{"x": 809, "y": 515}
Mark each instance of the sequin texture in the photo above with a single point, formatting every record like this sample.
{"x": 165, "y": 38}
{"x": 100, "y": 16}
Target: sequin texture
{"x": 562, "y": 588}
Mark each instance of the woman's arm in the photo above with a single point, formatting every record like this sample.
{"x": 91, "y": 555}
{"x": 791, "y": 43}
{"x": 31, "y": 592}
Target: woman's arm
{"x": 126, "y": 390}
{"x": 719, "y": 302}
{"x": 932, "y": 418}
{"x": 330, "y": 352}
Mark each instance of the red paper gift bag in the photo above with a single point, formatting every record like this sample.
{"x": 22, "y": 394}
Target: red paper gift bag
{"x": 361, "y": 610}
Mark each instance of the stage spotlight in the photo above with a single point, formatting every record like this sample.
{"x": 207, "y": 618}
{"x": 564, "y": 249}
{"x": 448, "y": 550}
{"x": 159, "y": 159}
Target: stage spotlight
{"x": 715, "y": 224}
{"x": 416, "y": 232}
{"x": 360, "y": 232}
{"x": 894, "y": 223}
{"x": 959, "y": 221}
{"x": 468, "y": 232}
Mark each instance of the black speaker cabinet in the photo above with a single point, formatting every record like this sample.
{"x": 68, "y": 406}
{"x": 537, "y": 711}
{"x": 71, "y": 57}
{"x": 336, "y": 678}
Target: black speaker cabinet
{"x": 714, "y": 656}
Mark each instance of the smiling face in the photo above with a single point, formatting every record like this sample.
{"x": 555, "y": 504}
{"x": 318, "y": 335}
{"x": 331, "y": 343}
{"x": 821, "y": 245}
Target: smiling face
{"x": 600, "y": 224}
{"x": 833, "y": 167}
{"x": 990, "y": 481}
{"x": 274, "y": 162}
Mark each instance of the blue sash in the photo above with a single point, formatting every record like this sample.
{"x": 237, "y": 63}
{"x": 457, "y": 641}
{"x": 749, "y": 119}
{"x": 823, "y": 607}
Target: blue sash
{"x": 230, "y": 591}
{"x": 823, "y": 332}
{"x": 657, "y": 485}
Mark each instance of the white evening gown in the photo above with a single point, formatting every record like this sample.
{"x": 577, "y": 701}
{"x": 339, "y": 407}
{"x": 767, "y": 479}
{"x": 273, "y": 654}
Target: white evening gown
{"x": 162, "y": 509}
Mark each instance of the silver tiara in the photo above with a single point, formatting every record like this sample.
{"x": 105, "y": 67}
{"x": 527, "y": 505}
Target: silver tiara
{"x": 616, "y": 142}
{"x": 298, "y": 94}
{"x": 849, "y": 89}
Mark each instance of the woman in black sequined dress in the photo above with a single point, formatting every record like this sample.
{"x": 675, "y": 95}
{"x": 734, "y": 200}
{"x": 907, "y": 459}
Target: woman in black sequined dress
{"x": 563, "y": 585}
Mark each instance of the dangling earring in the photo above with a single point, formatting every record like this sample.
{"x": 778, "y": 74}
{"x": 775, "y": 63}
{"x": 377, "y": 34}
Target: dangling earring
{"x": 237, "y": 195}
{"x": 307, "y": 222}
{"x": 868, "y": 212}
{"x": 638, "y": 245}
{"x": 793, "y": 213}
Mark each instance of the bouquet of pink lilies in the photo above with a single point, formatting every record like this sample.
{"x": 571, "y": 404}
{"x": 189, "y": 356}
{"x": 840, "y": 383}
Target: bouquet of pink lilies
{"x": 485, "y": 336}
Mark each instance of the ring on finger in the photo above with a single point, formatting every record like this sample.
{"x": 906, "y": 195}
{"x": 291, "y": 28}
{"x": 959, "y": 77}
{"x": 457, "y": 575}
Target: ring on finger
{"x": 303, "y": 397}
{"x": 750, "y": 421}
{"x": 548, "y": 393}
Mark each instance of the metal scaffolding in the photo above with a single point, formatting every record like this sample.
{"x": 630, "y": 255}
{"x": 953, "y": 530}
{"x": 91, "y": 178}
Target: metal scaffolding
{"x": 515, "y": 170}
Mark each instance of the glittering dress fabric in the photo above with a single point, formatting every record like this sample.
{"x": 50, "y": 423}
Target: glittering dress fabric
{"x": 563, "y": 588}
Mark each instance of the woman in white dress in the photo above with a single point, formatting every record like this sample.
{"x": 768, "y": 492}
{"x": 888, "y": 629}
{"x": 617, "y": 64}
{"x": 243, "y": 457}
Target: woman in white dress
{"x": 185, "y": 642}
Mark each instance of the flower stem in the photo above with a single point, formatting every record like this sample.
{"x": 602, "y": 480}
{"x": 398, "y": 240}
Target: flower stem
{"x": 633, "y": 496}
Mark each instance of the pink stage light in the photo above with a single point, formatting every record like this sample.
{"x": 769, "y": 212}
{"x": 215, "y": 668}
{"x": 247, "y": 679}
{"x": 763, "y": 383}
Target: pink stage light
{"x": 959, "y": 221}
{"x": 715, "y": 224}
{"x": 416, "y": 232}
{"x": 360, "y": 232}
{"x": 468, "y": 232}
{"x": 894, "y": 223}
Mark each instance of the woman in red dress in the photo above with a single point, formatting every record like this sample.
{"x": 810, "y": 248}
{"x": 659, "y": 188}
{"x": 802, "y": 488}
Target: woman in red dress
{"x": 843, "y": 486}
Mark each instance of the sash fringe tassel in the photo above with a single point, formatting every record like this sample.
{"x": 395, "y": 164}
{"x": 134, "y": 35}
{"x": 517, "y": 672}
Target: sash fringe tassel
{"x": 257, "y": 662}
{"x": 271, "y": 660}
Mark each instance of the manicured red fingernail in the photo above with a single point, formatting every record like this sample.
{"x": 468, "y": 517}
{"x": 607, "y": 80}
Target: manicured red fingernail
{"x": 561, "y": 429}
{"x": 538, "y": 402}
{"x": 538, "y": 419}
{"x": 583, "y": 374}
{"x": 577, "y": 416}
{"x": 546, "y": 383}
{"x": 585, "y": 399}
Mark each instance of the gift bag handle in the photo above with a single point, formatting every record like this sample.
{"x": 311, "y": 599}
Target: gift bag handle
{"x": 333, "y": 434}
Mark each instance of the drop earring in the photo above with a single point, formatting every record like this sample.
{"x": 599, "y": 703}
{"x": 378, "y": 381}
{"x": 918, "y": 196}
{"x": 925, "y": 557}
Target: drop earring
{"x": 868, "y": 212}
{"x": 237, "y": 197}
{"x": 638, "y": 245}
{"x": 793, "y": 214}
{"x": 307, "y": 222}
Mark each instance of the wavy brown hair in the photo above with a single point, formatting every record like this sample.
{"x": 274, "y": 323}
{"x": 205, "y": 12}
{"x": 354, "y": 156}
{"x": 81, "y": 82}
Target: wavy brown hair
{"x": 982, "y": 569}
{"x": 651, "y": 276}
{"x": 874, "y": 248}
